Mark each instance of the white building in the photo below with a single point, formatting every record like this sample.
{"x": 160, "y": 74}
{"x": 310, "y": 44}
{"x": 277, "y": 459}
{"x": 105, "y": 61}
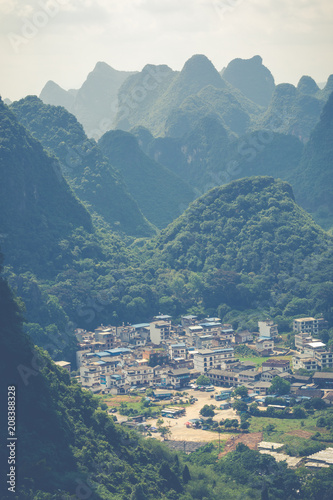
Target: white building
{"x": 159, "y": 331}
{"x": 268, "y": 329}
{"x": 206, "y": 359}
{"x": 306, "y": 325}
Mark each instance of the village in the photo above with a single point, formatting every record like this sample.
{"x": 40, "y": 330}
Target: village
{"x": 160, "y": 365}
{"x": 115, "y": 360}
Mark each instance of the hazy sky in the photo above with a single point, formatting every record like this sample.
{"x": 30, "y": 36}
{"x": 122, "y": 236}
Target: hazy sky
{"x": 62, "y": 40}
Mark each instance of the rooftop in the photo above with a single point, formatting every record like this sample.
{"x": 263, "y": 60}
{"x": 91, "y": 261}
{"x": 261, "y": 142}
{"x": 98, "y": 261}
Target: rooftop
{"x": 304, "y": 319}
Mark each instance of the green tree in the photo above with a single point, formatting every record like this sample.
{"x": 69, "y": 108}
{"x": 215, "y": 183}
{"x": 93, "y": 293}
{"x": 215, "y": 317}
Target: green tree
{"x": 203, "y": 380}
{"x": 241, "y": 391}
{"x": 186, "y": 474}
{"x": 279, "y": 386}
{"x": 239, "y": 405}
{"x": 207, "y": 411}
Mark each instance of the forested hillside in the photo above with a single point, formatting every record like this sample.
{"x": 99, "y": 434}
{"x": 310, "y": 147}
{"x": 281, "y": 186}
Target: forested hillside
{"x": 313, "y": 180}
{"x": 69, "y": 446}
{"x": 250, "y": 245}
{"x": 90, "y": 174}
{"x": 160, "y": 193}
{"x": 37, "y": 208}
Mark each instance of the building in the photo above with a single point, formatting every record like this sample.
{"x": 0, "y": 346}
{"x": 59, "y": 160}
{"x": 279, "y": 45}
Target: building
{"x": 301, "y": 339}
{"x": 177, "y": 351}
{"x": 203, "y": 341}
{"x": 268, "y": 375}
{"x": 247, "y": 376}
{"x": 90, "y": 377}
{"x": 281, "y": 365}
{"x": 303, "y": 361}
{"x": 179, "y": 378}
{"x": 242, "y": 337}
{"x": 265, "y": 346}
{"x": 307, "y": 325}
{"x": 106, "y": 337}
{"x": 187, "y": 321}
{"x": 139, "y": 375}
{"x": 64, "y": 364}
{"x": 224, "y": 378}
{"x": 323, "y": 379}
{"x": 155, "y": 357}
{"x": 206, "y": 359}
{"x": 267, "y": 329}
{"x": 159, "y": 331}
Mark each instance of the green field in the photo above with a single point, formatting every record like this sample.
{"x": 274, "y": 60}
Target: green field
{"x": 296, "y": 433}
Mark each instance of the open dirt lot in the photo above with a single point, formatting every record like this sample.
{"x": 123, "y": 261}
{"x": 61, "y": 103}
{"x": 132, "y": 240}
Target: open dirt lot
{"x": 251, "y": 440}
{"x": 179, "y": 431}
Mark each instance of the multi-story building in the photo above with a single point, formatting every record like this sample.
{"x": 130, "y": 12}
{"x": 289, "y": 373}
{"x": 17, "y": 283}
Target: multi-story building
{"x": 207, "y": 359}
{"x": 267, "y": 329}
{"x": 307, "y": 325}
{"x": 312, "y": 347}
{"x": 301, "y": 339}
{"x": 223, "y": 377}
{"x": 203, "y": 341}
{"x": 265, "y": 346}
{"x": 324, "y": 359}
{"x": 139, "y": 375}
{"x": 106, "y": 336}
{"x": 226, "y": 336}
{"x": 179, "y": 378}
{"x": 90, "y": 377}
{"x": 177, "y": 350}
{"x": 282, "y": 365}
{"x": 159, "y": 331}
{"x": 305, "y": 362}
{"x": 155, "y": 357}
{"x": 242, "y": 337}
{"x": 187, "y": 321}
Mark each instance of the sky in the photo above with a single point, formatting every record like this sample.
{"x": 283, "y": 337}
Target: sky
{"x": 62, "y": 40}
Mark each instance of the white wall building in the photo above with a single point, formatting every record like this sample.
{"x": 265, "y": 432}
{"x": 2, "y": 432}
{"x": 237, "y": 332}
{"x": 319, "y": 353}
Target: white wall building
{"x": 206, "y": 359}
{"x": 268, "y": 329}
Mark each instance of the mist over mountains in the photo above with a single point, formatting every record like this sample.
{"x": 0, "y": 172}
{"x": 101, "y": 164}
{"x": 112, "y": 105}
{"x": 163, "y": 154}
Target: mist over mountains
{"x": 198, "y": 191}
{"x": 165, "y": 138}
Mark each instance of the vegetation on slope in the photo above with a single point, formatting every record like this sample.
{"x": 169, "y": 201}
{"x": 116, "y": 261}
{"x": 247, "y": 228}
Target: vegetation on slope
{"x": 313, "y": 180}
{"x": 90, "y": 174}
{"x": 69, "y": 446}
{"x": 161, "y": 195}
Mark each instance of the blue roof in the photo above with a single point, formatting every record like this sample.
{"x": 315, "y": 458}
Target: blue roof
{"x": 118, "y": 350}
{"x": 178, "y": 345}
{"x": 102, "y": 354}
{"x": 189, "y": 317}
{"x": 117, "y": 377}
{"x": 210, "y": 324}
{"x": 141, "y": 325}
{"x": 101, "y": 363}
{"x": 163, "y": 316}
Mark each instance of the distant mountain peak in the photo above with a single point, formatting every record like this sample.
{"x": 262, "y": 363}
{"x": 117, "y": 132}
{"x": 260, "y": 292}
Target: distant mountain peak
{"x": 252, "y": 78}
{"x": 307, "y": 85}
{"x": 199, "y": 64}
{"x": 100, "y": 65}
